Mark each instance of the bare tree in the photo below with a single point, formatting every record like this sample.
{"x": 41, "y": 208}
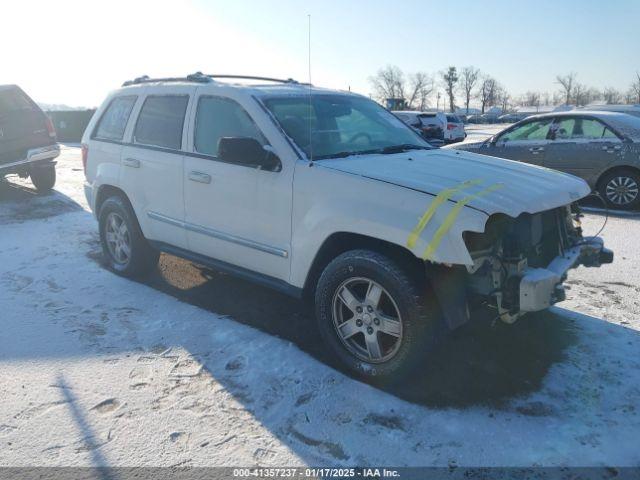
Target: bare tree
{"x": 545, "y": 98}
{"x": 531, "y": 99}
{"x": 580, "y": 94}
{"x": 635, "y": 88}
{"x": 469, "y": 77}
{"x": 388, "y": 82}
{"x": 567, "y": 82}
{"x": 594, "y": 95}
{"x": 503, "y": 98}
{"x": 611, "y": 96}
{"x": 420, "y": 88}
{"x": 488, "y": 92}
{"x": 450, "y": 80}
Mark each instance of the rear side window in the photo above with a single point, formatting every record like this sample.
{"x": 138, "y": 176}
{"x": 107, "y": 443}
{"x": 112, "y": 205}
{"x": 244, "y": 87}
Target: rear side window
{"x": 114, "y": 120}
{"x": 13, "y": 100}
{"x": 453, "y": 119}
{"x": 161, "y": 120}
{"x": 219, "y": 117}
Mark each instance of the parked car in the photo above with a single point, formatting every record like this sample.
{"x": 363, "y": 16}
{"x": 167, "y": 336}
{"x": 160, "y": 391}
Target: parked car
{"x": 511, "y": 117}
{"x": 27, "y": 139}
{"x": 455, "y": 129}
{"x": 327, "y": 196}
{"x": 474, "y": 119}
{"x": 601, "y": 147}
{"x": 630, "y": 109}
{"x": 432, "y": 124}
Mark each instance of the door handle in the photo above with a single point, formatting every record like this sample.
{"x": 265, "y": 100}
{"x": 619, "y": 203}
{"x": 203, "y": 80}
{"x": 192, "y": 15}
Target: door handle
{"x": 131, "y": 162}
{"x": 536, "y": 150}
{"x": 199, "y": 177}
{"x": 611, "y": 148}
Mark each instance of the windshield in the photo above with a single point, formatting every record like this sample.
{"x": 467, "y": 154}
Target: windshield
{"x": 330, "y": 126}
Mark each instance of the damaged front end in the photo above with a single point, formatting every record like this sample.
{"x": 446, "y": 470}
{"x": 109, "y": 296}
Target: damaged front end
{"x": 519, "y": 264}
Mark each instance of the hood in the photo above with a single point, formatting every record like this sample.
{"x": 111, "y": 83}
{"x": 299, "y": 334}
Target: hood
{"x": 465, "y": 146}
{"x": 505, "y": 186}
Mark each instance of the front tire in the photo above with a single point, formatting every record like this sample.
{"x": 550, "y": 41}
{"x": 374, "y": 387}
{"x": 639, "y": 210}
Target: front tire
{"x": 379, "y": 321}
{"x": 124, "y": 247}
{"x": 43, "y": 177}
{"x": 621, "y": 189}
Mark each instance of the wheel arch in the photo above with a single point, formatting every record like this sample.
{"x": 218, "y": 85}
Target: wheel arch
{"x": 615, "y": 168}
{"x": 105, "y": 191}
{"x": 340, "y": 242}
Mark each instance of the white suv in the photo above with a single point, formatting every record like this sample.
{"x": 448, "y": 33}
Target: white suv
{"x": 327, "y": 196}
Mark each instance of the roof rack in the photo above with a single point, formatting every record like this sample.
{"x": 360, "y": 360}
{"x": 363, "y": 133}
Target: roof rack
{"x": 204, "y": 78}
{"x": 250, "y": 77}
{"x": 147, "y": 79}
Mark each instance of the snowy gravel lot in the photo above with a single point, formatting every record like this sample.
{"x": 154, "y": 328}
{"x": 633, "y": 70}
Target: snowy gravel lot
{"x": 195, "y": 368}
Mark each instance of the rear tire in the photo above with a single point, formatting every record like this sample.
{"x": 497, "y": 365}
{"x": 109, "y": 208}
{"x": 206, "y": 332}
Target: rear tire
{"x": 621, "y": 189}
{"x": 404, "y": 322}
{"x": 43, "y": 177}
{"x": 125, "y": 249}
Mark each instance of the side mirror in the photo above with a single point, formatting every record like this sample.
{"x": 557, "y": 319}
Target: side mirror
{"x": 248, "y": 151}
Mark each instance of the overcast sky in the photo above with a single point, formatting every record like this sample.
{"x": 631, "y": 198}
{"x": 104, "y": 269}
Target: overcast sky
{"x": 75, "y": 52}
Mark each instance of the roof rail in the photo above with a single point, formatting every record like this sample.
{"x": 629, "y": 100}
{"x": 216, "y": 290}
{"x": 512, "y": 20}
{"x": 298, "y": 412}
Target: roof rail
{"x": 197, "y": 77}
{"x": 251, "y": 77}
{"x": 204, "y": 78}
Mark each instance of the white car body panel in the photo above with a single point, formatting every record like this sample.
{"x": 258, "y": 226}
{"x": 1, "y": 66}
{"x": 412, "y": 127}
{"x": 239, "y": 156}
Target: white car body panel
{"x": 245, "y": 212}
{"x": 248, "y": 218}
{"x": 365, "y": 206}
{"x": 526, "y": 188}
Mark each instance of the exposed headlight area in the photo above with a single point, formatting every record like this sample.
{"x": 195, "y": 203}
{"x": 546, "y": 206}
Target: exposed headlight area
{"x": 519, "y": 264}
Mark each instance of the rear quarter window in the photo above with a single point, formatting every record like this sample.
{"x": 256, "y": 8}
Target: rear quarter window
{"x": 114, "y": 120}
{"x": 161, "y": 121}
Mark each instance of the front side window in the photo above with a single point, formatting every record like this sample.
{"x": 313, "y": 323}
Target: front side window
{"x": 329, "y": 126}
{"x": 161, "y": 121}
{"x": 219, "y": 117}
{"x": 113, "y": 122}
{"x": 532, "y": 131}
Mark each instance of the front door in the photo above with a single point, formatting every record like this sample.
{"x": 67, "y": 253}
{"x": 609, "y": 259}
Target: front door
{"x": 525, "y": 142}
{"x": 235, "y": 213}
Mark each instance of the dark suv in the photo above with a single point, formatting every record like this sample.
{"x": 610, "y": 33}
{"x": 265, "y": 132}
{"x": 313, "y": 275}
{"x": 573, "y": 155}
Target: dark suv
{"x": 27, "y": 139}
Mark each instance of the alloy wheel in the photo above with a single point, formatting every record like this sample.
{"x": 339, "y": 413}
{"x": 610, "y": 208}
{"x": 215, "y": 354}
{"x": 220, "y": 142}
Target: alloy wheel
{"x": 367, "y": 320}
{"x": 621, "y": 190}
{"x": 118, "y": 239}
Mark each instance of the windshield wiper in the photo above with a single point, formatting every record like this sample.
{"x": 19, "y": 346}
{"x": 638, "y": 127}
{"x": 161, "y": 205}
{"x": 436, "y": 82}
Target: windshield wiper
{"x": 402, "y": 148}
{"x": 344, "y": 154}
{"x": 386, "y": 150}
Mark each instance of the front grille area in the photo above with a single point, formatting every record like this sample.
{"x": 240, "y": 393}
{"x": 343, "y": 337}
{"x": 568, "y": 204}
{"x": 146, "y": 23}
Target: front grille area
{"x": 538, "y": 237}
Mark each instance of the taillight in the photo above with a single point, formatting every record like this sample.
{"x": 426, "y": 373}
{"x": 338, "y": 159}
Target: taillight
{"x": 85, "y": 154}
{"x": 50, "y": 129}
{"x": 451, "y": 126}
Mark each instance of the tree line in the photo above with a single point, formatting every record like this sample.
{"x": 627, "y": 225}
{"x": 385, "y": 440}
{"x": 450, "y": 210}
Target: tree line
{"x": 468, "y": 84}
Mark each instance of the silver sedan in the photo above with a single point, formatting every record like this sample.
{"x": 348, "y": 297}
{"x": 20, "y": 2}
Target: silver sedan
{"x": 603, "y": 148}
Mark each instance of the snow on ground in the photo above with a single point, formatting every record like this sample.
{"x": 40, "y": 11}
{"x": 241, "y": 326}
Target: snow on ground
{"x": 99, "y": 370}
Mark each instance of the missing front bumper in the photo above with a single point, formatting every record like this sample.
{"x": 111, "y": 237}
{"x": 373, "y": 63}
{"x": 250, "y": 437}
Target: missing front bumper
{"x": 542, "y": 287}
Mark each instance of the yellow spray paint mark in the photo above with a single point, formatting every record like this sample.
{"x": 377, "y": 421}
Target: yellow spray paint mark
{"x": 442, "y": 197}
{"x": 451, "y": 218}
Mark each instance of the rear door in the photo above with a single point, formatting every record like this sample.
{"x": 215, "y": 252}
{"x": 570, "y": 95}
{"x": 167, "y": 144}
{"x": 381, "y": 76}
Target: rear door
{"x": 526, "y": 142}
{"x": 583, "y": 147}
{"x": 22, "y": 125}
{"x": 152, "y": 164}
